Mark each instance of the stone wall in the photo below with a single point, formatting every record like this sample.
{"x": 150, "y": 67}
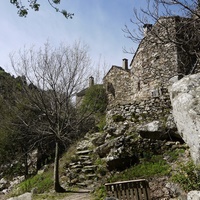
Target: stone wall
{"x": 155, "y": 62}
{"x": 128, "y": 117}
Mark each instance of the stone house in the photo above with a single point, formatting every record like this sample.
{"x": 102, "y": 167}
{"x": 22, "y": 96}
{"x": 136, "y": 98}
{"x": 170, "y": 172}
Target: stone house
{"x": 157, "y": 60}
{"x": 141, "y": 92}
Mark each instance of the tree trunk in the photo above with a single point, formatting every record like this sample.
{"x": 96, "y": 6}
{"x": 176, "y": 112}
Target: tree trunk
{"x": 57, "y": 186}
{"x": 26, "y": 165}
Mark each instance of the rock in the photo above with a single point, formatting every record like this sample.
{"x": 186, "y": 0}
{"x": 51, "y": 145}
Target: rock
{"x": 185, "y": 99}
{"x": 3, "y": 184}
{"x": 99, "y": 140}
{"x": 104, "y": 149}
{"x": 152, "y": 130}
{"x": 193, "y": 195}
{"x": 25, "y": 196}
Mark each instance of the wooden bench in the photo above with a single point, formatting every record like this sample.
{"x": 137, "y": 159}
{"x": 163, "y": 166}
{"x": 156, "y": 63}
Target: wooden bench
{"x": 129, "y": 190}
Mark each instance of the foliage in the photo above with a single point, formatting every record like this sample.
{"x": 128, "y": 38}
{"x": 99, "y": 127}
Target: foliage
{"x": 95, "y": 100}
{"x": 34, "y": 5}
{"x": 149, "y": 167}
{"x": 188, "y": 176}
{"x": 102, "y": 122}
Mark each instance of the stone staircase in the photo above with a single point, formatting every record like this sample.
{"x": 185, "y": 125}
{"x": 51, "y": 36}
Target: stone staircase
{"x": 82, "y": 171}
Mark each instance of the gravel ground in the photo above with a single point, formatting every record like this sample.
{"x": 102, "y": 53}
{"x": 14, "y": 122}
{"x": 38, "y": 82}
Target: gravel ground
{"x": 79, "y": 196}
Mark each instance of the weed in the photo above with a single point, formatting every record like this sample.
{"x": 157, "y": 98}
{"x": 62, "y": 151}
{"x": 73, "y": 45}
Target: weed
{"x": 188, "y": 176}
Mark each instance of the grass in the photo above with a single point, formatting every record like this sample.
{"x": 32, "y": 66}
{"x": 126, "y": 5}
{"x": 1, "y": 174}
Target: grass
{"x": 188, "y": 176}
{"x": 41, "y": 182}
{"x": 156, "y": 166}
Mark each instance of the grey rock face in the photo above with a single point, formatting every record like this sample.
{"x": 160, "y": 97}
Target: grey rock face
{"x": 193, "y": 195}
{"x": 185, "y": 98}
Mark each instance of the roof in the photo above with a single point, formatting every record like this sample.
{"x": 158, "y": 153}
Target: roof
{"x": 117, "y": 67}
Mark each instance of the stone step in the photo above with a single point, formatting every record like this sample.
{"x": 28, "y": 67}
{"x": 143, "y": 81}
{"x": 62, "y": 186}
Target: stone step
{"x": 91, "y": 176}
{"x": 83, "y": 157}
{"x": 76, "y": 166}
{"x": 88, "y": 162}
{"x": 81, "y": 184}
{"x": 89, "y": 169}
{"x": 84, "y": 152}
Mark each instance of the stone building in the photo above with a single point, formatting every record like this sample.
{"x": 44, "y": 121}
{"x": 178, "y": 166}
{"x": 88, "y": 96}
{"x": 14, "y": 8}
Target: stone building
{"x": 157, "y": 60}
{"x": 117, "y": 83}
{"x": 165, "y": 54}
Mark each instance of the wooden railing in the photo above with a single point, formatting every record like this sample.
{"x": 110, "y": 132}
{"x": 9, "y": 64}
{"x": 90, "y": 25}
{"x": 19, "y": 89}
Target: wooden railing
{"x": 129, "y": 190}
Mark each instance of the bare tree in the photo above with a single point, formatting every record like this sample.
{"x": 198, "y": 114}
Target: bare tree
{"x": 181, "y": 30}
{"x": 53, "y": 77}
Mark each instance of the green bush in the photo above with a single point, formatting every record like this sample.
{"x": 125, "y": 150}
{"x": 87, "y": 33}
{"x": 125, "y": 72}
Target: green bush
{"x": 188, "y": 176}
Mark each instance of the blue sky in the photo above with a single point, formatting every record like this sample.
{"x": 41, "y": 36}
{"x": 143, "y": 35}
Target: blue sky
{"x": 98, "y": 23}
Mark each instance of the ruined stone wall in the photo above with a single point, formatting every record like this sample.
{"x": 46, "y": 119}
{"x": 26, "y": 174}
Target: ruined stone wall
{"x": 118, "y": 85}
{"x": 135, "y": 113}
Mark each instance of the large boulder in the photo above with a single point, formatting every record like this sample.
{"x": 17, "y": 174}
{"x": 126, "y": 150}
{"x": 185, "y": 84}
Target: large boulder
{"x": 159, "y": 130}
{"x": 185, "y": 99}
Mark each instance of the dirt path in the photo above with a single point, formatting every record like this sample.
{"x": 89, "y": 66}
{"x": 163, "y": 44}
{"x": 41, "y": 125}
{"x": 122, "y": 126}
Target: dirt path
{"x": 79, "y": 196}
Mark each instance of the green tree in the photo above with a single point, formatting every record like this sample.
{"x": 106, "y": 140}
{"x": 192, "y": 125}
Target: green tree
{"x": 33, "y": 4}
{"x": 95, "y": 100}
{"x": 94, "y": 103}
